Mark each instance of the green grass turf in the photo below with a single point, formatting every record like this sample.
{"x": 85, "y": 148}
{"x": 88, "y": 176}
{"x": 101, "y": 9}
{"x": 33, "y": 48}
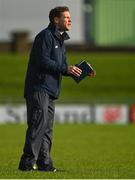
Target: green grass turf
{"x": 114, "y": 81}
{"x": 81, "y": 151}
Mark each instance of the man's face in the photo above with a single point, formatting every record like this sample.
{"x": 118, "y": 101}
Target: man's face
{"x": 64, "y": 22}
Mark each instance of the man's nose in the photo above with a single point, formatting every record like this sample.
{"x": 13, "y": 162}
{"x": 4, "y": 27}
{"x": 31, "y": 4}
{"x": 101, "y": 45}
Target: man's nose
{"x": 70, "y": 20}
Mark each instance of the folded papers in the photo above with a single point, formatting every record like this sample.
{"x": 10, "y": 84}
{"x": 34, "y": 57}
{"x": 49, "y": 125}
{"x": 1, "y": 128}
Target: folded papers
{"x": 86, "y": 70}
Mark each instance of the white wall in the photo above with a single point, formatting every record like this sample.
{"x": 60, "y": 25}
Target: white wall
{"x": 32, "y": 16}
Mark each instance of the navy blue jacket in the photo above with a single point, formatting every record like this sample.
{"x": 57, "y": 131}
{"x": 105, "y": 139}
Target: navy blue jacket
{"x": 47, "y": 63}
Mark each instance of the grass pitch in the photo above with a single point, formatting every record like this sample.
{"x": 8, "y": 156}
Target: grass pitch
{"x": 80, "y": 150}
{"x": 114, "y": 81}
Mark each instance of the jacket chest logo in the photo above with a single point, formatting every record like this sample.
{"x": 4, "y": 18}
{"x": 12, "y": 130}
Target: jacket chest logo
{"x": 56, "y": 46}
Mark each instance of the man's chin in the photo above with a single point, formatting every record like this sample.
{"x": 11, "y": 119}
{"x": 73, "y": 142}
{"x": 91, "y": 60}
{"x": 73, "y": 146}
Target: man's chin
{"x": 68, "y": 29}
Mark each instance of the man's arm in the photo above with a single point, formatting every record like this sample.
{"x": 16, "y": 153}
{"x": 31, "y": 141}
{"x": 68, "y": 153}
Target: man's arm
{"x": 47, "y": 63}
{"x": 53, "y": 66}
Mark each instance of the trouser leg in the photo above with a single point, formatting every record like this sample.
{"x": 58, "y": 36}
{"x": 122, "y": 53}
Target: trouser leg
{"x": 37, "y": 113}
{"x": 44, "y": 158}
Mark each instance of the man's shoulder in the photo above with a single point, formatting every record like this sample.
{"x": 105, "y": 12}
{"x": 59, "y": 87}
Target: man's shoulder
{"x": 44, "y": 34}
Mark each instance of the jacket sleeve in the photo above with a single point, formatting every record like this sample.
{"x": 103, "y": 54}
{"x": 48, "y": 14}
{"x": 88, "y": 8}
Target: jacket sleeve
{"x": 65, "y": 73}
{"x": 46, "y": 62}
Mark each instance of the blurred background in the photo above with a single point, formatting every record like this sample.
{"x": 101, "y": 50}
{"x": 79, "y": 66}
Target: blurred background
{"x": 103, "y": 33}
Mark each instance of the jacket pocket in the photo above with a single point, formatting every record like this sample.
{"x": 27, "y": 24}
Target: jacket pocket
{"x": 40, "y": 78}
{"x": 52, "y": 82}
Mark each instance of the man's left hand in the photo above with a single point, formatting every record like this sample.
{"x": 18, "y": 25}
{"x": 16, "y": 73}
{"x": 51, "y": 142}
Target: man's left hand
{"x": 92, "y": 74}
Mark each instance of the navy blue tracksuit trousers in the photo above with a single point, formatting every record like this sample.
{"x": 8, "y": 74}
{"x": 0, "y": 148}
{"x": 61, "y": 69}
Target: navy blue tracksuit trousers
{"x": 40, "y": 118}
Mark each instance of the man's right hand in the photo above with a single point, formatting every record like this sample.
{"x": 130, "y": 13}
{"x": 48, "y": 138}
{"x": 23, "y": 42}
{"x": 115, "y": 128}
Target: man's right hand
{"x": 74, "y": 70}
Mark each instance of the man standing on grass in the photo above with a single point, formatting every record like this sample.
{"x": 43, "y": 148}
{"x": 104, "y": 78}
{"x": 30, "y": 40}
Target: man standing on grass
{"x": 46, "y": 66}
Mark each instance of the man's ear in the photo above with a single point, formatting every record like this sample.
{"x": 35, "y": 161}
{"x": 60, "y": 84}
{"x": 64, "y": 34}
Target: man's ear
{"x": 56, "y": 20}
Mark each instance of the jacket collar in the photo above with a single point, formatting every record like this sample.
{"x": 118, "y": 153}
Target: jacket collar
{"x": 56, "y": 32}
